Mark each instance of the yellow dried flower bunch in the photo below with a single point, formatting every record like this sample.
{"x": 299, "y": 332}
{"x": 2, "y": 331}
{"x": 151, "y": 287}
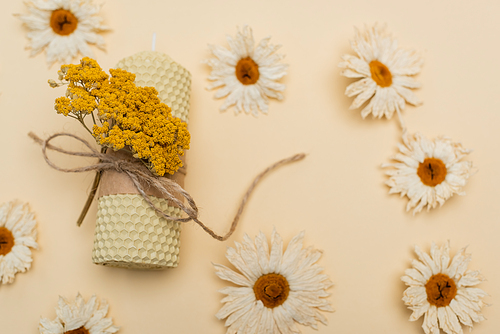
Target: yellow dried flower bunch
{"x": 125, "y": 116}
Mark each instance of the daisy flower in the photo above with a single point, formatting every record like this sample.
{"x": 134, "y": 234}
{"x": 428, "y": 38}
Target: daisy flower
{"x": 428, "y": 171}
{"x": 443, "y": 292}
{"x": 276, "y": 289}
{"x": 79, "y": 318}
{"x": 384, "y": 70}
{"x": 64, "y": 28}
{"x": 246, "y": 74}
{"x": 17, "y": 235}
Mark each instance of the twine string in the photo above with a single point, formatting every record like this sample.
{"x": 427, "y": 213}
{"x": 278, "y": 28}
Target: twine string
{"x": 141, "y": 176}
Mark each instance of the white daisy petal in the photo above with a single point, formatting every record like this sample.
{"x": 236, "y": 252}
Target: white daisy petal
{"x": 23, "y": 254}
{"x": 471, "y": 278}
{"x": 447, "y": 299}
{"x": 17, "y": 236}
{"x": 445, "y": 256}
{"x": 414, "y": 276}
{"x": 74, "y": 323}
{"x": 4, "y": 213}
{"x": 63, "y": 45}
{"x": 430, "y": 324}
{"x": 304, "y": 315}
{"x": 441, "y": 177}
{"x": 262, "y": 250}
{"x": 472, "y": 294}
{"x": 228, "y": 275}
{"x": 415, "y": 295}
{"x": 289, "y": 287}
{"x": 472, "y": 309}
{"x": 379, "y": 107}
{"x": 358, "y": 87}
{"x": 443, "y": 319}
{"x": 305, "y": 268}
{"x": 237, "y": 259}
{"x": 237, "y": 318}
{"x": 363, "y": 96}
{"x": 352, "y": 74}
{"x": 291, "y": 256}
{"x": 47, "y": 326}
{"x": 426, "y": 259}
{"x": 251, "y": 92}
{"x": 276, "y": 252}
{"x": 284, "y": 322}
{"x": 458, "y": 262}
{"x": 355, "y": 64}
{"x": 253, "y": 319}
{"x": 418, "y": 311}
{"x": 235, "y": 304}
{"x": 15, "y": 217}
{"x": 104, "y": 326}
{"x": 78, "y": 314}
{"x": 384, "y": 70}
{"x": 408, "y": 95}
{"x": 234, "y": 292}
{"x": 404, "y": 81}
{"x": 95, "y": 312}
{"x": 426, "y": 271}
{"x": 459, "y": 310}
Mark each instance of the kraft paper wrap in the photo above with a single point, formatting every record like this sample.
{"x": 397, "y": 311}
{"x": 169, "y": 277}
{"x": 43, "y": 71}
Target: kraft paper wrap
{"x": 129, "y": 233}
{"x": 113, "y": 182}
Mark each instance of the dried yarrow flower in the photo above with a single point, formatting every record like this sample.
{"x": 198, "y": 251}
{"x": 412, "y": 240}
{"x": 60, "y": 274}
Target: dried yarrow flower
{"x": 125, "y": 116}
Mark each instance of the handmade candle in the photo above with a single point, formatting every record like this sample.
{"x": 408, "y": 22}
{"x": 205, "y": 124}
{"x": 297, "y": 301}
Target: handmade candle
{"x": 129, "y": 233}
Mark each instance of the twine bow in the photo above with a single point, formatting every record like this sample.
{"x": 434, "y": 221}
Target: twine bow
{"x": 140, "y": 175}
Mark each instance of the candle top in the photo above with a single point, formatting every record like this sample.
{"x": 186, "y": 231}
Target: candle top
{"x": 171, "y": 80}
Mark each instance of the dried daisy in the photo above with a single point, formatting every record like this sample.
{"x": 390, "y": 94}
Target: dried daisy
{"x": 443, "y": 292}
{"x": 246, "y": 74}
{"x": 384, "y": 70}
{"x": 428, "y": 172}
{"x": 276, "y": 289}
{"x": 17, "y": 236}
{"x": 79, "y": 318}
{"x": 64, "y": 28}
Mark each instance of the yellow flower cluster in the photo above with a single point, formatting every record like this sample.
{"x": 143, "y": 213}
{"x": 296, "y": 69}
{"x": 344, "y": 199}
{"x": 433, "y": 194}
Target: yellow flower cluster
{"x": 84, "y": 80}
{"x": 130, "y": 117}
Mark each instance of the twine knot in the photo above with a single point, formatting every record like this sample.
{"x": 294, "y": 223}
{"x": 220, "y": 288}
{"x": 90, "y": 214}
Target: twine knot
{"x": 140, "y": 176}
{"x": 117, "y": 166}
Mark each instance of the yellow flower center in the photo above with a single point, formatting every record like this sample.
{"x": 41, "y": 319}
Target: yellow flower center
{"x": 441, "y": 290}
{"x": 247, "y": 71}
{"x": 81, "y": 330}
{"x": 271, "y": 289}
{"x": 63, "y": 22}
{"x": 6, "y": 241}
{"x": 380, "y": 74}
{"x": 432, "y": 171}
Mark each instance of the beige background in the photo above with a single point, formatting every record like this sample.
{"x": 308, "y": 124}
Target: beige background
{"x": 337, "y": 194}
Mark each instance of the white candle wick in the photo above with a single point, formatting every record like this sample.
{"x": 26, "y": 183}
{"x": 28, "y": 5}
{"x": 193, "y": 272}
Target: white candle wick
{"x": 153, "y": 44}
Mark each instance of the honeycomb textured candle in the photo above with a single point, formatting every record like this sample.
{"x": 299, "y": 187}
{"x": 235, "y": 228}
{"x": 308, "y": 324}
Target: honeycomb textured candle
{"x": 130, "y": 234}
{"x": 171, "y": 80}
